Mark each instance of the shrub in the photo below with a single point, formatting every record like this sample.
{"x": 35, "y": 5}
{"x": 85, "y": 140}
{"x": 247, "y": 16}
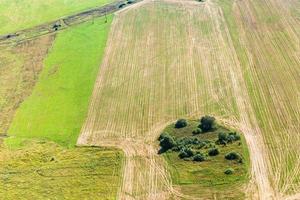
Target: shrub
{"x": 233, "y": 156}
{"x": 230, "y": 138}
{"x": 229, "y": 171}
{"x": 199, "y": 157}
{"x": 187, "y": 141}
{"x": 207, "y": 123}
{"x": 234, "y": 136}
{"x": 163, "y": 135}
{"x": 213, "y": 151}
{"x": 122, "y": 5}
{"x": 130, "y": 1}
{"x": 197, "y": 131}
{"x": 167, "y": 142}
{"x": 222, "y": 137}
{"x": 181, "y": 123}
{"x": 185, "y": 153}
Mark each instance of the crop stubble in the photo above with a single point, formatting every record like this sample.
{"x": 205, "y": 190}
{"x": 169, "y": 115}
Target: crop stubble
{"x": 170, "y": 59}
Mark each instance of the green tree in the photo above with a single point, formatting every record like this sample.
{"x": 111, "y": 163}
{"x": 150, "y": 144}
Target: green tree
{"x": 233, "y": 156}
{"x": 181, "y": 123}
{"x": 199, "y": 157}
{"x": 207, "y": 123}
{"x": 167, "y": 142}
{"x": 213, "y": 151}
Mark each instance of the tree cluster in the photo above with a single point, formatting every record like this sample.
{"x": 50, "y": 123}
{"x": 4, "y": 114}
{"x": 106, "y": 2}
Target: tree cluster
{"x": 224, "y": 138}
{"x": 189, "y": 147}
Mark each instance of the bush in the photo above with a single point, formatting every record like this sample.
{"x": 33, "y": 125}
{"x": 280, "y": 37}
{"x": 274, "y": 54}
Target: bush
{"x": 233, "y": 156}
{"x": 185, "y": 153}
{"x": 166, "y": 142}
{"x": 130, "y": 1}
{"x": 229, "y": 171}
{"x": 222, "y": 137}
{"x": 234, "y": 136}
{"x": 213, "y": 151}
{"x": 230, "y": 138}
{"x": 197, "y": 131}
{"x": 163, "y": 135}
{"x": 181, "y": 123}
{"x": 122, "y": 5}
{"x": 187, "y": 141}
{"x": 207, "y": 123}
{"x": 199, "y": 157}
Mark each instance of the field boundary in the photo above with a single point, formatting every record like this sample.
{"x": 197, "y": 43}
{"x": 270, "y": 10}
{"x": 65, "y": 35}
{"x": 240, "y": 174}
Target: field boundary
{"x": 63, "y": 23}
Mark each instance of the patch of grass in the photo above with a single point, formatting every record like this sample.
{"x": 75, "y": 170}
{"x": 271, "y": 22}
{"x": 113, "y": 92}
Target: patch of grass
{"x": 207, "y": 178}
{"x": 44, "y": 170}
{"x": 188, "y": 131}
{"x": 16, "y": 15}
{"x": 58, "y": 105}
{"x": 20, "y": 66}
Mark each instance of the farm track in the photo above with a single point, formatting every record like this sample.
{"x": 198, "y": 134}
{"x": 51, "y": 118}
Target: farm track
{"x": 63, "y": 23}
{"x": 151, "y": 76}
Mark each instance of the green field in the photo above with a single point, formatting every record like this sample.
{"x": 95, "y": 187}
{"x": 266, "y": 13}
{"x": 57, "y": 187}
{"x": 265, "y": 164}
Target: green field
{"x": 19, "y": 68}
{"x": 20, "y": 14}
{"x": 58, "y": 104}
{"x": 45, "y": 170}
{"x": 207, "y": 179}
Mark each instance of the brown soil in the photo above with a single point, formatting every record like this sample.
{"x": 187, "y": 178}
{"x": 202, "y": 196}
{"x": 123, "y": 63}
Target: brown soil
{"x": 20, "y": 67}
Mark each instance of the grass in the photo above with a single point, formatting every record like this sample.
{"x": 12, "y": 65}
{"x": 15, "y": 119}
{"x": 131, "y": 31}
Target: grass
{"x": 45, "y": 170}
{"x": 20, "y": 65}
{"x": 16, "y": 15}
{"x": 58, "y": 104}
{"x": 207, "y": 179}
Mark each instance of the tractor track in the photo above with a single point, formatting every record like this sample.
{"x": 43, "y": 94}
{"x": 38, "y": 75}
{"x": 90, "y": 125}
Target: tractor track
{"x": 63, "y": 23}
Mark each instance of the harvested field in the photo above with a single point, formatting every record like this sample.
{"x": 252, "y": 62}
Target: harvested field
{"x": 266, "y": 37}
{"x": 214, "y": 58}
{"x": 20, "y": 65}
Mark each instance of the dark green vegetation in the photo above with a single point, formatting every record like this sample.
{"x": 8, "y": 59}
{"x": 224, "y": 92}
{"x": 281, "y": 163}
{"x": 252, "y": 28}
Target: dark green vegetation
{"x": 45, "y": 170}
{"x": 213, "y": 163}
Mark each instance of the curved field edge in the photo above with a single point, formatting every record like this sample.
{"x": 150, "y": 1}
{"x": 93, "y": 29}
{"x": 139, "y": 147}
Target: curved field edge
{"x": 16, "y": 15}
{"x": 206, "y": 180}
{"x": 45, "y": 170}
{"x": 176, "y": 74}
{"x": 198, "y": 66}
{"x": 58, "y": 104}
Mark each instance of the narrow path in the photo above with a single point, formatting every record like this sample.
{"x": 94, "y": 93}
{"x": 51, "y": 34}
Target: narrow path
{"x": 64, "y": 22}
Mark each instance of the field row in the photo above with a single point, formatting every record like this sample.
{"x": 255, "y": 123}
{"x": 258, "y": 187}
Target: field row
{"x": 230, "y": 59}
